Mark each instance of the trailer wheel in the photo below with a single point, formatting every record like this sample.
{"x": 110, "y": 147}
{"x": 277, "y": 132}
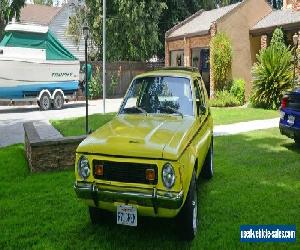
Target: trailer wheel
{"x": 58, "y": 101}
{"x": 45, "y": 102}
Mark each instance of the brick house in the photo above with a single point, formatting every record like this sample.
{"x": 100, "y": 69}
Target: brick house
{"x": 249, "y": 25}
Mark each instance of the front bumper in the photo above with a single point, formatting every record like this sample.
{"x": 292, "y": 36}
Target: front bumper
{"x": 289, "y": 131}
{"x": 144, "y": 197}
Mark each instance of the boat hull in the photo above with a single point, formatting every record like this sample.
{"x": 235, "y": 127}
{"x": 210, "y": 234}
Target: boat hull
{"x": 22, "y": 78}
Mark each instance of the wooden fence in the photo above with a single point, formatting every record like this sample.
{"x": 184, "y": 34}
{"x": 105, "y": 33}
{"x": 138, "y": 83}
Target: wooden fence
{"x": 120, "y": 74}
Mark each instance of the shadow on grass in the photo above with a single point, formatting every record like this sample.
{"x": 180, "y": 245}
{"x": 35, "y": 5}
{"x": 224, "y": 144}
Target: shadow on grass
{"x": 151, "y": 233}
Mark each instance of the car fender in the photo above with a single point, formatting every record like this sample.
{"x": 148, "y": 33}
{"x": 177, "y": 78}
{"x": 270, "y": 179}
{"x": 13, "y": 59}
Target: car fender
{"x": 187, "y": 162}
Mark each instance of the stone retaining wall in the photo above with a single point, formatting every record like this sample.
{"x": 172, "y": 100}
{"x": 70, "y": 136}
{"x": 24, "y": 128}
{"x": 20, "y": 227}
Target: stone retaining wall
{"x": 44, "y": 155}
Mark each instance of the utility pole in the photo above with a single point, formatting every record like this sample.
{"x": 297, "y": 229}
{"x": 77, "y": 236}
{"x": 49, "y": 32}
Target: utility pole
{"x": 104, "y": 54}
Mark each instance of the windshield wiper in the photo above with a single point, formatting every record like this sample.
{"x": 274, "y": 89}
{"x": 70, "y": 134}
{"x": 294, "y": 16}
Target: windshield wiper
{"x": 140, "y": 109}
{"x": 133, "y": 110}
{"x": 175, "y": 111}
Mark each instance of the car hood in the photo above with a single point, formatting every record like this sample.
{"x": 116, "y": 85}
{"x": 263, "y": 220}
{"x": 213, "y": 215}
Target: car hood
{"x": 151, "y": 136}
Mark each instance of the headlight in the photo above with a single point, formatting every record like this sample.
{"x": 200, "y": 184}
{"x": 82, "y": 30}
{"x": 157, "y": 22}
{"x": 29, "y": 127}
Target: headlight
{"x": 168, "y": 175}
{"x": 84, "y": 167}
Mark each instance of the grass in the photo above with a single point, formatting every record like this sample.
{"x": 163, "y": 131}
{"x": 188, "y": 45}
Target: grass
{"x": 76, "y": 126}
{"x": 256, "y": 182}
{"x": 233, "y": 115}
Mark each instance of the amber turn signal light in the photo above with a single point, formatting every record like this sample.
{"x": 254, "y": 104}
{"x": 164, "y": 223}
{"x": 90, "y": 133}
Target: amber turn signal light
{"x": 99, "y": 170}
{"x": 150, "y": 174}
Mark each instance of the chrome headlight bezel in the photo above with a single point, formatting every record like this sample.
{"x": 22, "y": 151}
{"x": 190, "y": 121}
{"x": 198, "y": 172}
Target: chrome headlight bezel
{"x": 83, "y": 167}
{"x": 168, "y": 175}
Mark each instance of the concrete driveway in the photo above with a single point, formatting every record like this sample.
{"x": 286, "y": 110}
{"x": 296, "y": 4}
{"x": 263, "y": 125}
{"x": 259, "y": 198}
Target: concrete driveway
{"x": 13, "y": 117}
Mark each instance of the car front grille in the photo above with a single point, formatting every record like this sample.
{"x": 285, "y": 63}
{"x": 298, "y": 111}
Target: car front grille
{"x": 125, "y": 172}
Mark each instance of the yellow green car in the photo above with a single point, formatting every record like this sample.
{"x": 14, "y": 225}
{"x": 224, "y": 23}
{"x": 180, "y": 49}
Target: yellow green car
{"x": 146, "y": 161}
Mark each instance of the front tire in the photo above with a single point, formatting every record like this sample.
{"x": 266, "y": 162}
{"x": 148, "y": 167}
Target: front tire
{"x": 45, "y": 102}
{"x": 208, "y": 167}
{"x": 95, "y": 215}
{"x": 188, "y": 216}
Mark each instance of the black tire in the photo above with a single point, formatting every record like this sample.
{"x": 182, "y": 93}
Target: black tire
{"x": 45, "y": 102}
{"x": 58, "y": 101}
{"x": 207, "y": 171}
{"x": 95, "y": 215}
{"x": 188, "y": 216}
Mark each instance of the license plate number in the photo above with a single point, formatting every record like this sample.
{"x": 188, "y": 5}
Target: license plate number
{"x": 127, "y": 215}
{"x": 291, "y": 120}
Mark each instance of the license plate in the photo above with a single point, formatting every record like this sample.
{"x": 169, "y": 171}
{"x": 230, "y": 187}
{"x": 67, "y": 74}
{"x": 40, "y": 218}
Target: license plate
{"x": 127, "y": 215}
{"x": 291, "y": 120}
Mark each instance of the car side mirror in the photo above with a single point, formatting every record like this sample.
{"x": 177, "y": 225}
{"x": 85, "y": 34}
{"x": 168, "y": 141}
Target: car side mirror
{"x": 201, "y": 109}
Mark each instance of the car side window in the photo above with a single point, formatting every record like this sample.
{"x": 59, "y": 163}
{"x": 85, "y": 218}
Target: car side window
{"x": 200, "y": 96}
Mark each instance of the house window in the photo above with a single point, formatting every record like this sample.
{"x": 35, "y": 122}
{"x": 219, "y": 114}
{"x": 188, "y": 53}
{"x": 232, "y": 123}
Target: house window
{"x": 200, "y": 59}
{"x": 177, "y": 58}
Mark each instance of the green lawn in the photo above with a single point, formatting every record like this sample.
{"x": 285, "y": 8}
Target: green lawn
{"x": 233, "y": 115}
{"x": 76, "y": 126}
{"x": 256, "y": 182}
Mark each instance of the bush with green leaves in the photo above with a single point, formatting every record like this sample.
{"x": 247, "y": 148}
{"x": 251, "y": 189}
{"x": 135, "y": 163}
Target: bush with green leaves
{"x": 221, "y": 59}
{"x": 223, "y": 98}
{"x": 272, "y": 74}
{"x": 95, "y": 85}
{"x": 238, "y": 90}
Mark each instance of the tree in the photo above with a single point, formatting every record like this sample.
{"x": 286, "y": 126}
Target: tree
{"x": 8, "y": 10}
{"x": 136, "y": 28}
{"x": 132, "y": 28}
{"x": 44, "y": 2}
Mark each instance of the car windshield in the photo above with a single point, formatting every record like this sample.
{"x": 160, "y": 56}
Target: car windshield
{"x": 163, "y": 94}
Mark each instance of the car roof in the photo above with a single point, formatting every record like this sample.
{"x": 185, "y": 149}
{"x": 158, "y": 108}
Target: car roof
{"x": 172, "y": 71}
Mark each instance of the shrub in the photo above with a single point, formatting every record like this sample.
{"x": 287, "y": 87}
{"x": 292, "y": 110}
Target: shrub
{"x": 238, "y": 90}
{"x": 95, "y": 85}
{"x": 272, "y": 74}
{"x": 224, "y": 98}
{"x": 221, "y": 58}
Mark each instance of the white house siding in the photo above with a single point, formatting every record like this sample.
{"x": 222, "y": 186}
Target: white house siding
{"x": 59, "y": 25}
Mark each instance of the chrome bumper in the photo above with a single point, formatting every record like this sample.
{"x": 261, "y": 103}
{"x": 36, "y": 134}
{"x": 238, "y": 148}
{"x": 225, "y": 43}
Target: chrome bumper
{"x": 144, "y": 197}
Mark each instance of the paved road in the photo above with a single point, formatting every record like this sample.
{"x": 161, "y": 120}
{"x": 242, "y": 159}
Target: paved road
{"x": 13, "y": 117}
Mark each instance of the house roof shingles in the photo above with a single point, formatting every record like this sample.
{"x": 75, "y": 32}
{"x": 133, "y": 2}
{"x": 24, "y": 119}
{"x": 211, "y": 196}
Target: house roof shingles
{"x": 277, "y": 18}
{"x": 200, "y": 22}
{"x": 38, "y": 14}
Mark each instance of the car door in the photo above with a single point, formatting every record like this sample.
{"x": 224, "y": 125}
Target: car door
{"x": 203, "y": 137}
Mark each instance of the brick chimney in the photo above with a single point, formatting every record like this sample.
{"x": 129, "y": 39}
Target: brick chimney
{"x": 291, "y": 4}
